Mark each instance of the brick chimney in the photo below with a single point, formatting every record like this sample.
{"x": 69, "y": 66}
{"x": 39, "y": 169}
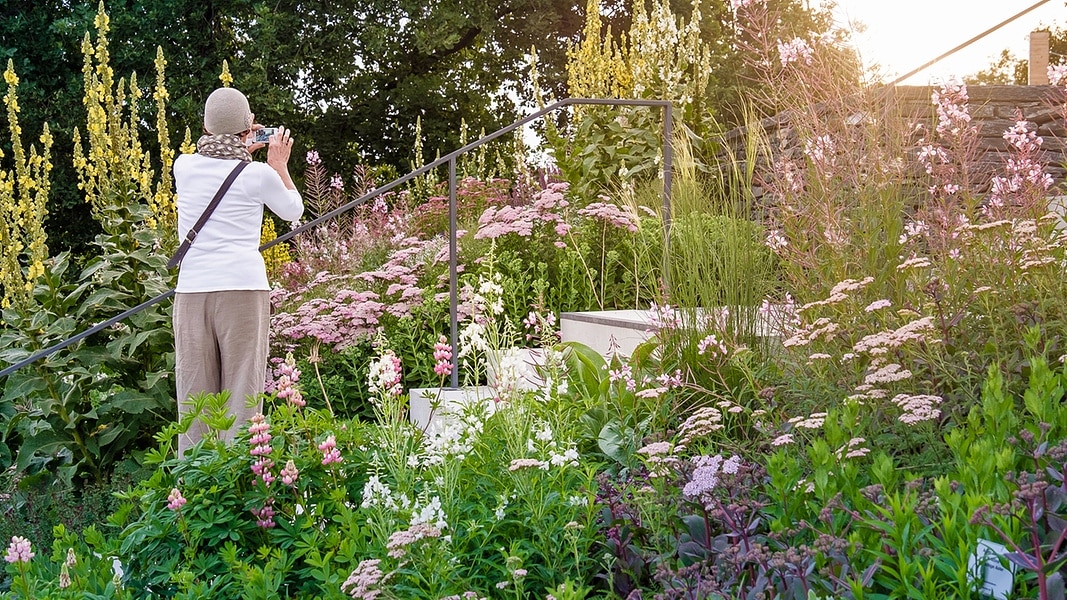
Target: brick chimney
{"x": 1039, "y": 49}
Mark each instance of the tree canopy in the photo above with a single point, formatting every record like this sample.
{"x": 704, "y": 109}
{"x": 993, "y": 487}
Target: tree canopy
{"x": 352, "y": 78}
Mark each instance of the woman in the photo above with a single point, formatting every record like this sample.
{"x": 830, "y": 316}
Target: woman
{"x": 221, "y": 308}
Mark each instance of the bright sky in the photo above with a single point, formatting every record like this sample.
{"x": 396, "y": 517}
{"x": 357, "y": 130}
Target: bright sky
{"x": 902, "y": 35}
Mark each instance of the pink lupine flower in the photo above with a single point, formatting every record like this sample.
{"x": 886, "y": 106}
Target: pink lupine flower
{"x": 262, "y": 469}
{"x": 288, "y": 377}
{"x": 175, "y": 501}
{"x": 442, "y": 356}
{"x": 337, "y": 183}
{"x": 313, "y": 158}
{"x": 289, "y": 473}
{"x": 265, "y": 516}
{"x": 330, "y": 453}
{"x": 19, "y": 550}
{"x": 261, "y": 448}
{"x": 260, "y": 438}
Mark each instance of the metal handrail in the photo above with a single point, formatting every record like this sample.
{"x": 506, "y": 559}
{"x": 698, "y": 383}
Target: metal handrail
{"x": 452, "y": 246}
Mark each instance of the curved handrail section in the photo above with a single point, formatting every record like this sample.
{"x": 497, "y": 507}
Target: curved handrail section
{"x": 450, "y": 160}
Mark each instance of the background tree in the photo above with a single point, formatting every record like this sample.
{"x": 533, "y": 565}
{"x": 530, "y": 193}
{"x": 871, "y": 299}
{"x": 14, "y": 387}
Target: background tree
{"x": 351, "y": 77}
{"x": 1008, "y": 69}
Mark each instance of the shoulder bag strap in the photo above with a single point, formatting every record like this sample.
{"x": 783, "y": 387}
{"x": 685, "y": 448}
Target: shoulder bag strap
{"x": 191, "y": 235}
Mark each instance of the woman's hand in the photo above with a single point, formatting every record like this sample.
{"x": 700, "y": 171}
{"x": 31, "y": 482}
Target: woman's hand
{"x": 279, "y": 148}
{"x": 278, "y": 151}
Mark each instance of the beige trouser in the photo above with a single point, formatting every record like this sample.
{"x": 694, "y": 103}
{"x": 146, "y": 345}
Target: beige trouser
{"x": 220, "y": 342}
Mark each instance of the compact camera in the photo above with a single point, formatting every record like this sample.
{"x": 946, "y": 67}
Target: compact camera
{"x": 263, "y": 135}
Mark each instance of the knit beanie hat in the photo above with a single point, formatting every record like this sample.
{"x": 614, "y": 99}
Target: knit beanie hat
{"x": 227, "y": 111}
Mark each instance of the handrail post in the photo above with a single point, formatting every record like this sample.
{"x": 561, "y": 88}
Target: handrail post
{"x": 453, "y": 276}
{"x": 668, "y": 177}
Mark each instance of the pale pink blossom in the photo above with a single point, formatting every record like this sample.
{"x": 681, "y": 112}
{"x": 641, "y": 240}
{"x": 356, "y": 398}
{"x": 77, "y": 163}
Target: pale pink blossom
{"x": 289, "y": 473}
{"x": 878, "y": 305}
{"x": 795, "y": 50}
{"x": 175, "y": 501}
{"x": 525, "y": 463}
{"x": 19, "y": 550}
{"x": 364, "y": 581}
{"x": 1057, "y": 74}
{"x": 330, "y": 453}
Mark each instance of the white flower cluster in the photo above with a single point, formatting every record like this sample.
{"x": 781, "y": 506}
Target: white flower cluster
{"x": 544, "y": 443}
{"x": 378, "y": 494}
{"x": 512, "y": 372}
{"x": 430, "y": 513}
{"x": 472, "y": 339}
{"x": 454, "y": 438}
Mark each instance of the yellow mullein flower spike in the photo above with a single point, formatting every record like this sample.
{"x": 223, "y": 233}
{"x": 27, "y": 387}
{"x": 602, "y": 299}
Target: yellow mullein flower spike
{"x": 225, "y": 76}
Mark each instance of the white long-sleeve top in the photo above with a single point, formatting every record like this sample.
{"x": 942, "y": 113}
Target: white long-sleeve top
{"x": 225, "y": 255}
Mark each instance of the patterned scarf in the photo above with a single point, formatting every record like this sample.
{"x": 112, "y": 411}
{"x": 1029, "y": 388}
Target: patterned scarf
{"x": 226, "y": 146}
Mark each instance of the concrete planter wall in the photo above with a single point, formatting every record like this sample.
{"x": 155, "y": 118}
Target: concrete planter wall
{"x": 449, "y": 400}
